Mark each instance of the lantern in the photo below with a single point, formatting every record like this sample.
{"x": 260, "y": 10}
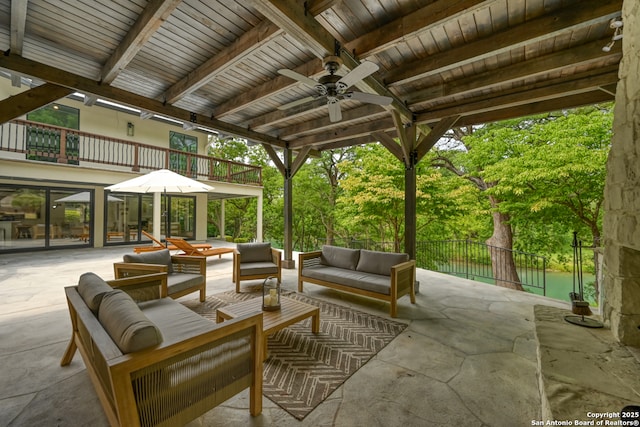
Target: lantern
{"x": 271, "y": 294}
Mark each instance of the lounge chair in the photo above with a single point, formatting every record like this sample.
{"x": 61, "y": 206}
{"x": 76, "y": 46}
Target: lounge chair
{"x": 189, "y": 249}
{"x": 158, "y": 245}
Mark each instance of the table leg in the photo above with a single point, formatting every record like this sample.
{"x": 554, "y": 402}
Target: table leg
{"x": 315, "y": 322}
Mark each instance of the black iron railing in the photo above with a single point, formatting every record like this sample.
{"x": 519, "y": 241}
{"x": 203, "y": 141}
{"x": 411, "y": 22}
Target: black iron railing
{"x": 462, "y": 258}
{"x": 68, "y": 146}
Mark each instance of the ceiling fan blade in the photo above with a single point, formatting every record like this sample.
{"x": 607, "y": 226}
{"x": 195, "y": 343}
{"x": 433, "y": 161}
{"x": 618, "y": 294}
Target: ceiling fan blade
{"x": 335, "y": 114}
{"x": 296, "y": 103}
{"x": 365, "y": 69}
{"x": 369, "y": 98}
{"x": 299, "y": 77}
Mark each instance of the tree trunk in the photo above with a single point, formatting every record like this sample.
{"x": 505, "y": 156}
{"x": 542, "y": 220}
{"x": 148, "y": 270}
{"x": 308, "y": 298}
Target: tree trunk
{"x": 501, "y": 250}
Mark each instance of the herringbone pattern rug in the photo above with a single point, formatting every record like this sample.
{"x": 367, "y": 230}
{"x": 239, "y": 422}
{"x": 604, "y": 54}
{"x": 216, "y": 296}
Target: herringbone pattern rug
{"x": 303, "y": 368}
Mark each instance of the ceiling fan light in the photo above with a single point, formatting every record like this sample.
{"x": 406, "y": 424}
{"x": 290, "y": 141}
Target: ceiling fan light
{"x": 608, "y": 47}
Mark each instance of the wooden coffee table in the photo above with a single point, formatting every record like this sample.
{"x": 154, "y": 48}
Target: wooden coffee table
{"x": 291, "y": 312}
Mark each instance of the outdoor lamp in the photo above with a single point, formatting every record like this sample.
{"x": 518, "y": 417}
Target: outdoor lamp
{"x": 271, "y": 294}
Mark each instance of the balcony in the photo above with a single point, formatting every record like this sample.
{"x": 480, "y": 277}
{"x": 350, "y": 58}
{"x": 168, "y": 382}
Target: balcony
{"x": 46, "y": 143}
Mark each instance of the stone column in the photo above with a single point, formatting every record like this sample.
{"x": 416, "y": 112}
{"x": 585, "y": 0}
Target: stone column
{"x": 621, "y": 303}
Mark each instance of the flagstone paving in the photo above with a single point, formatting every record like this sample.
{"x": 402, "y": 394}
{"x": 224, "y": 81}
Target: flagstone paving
{"x": 467, "y": 358}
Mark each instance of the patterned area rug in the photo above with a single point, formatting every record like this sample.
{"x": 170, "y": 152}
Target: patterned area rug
{"x": 303, "y": 368}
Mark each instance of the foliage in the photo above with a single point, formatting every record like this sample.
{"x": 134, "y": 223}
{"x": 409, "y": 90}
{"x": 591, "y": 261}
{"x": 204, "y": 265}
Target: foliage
{"x": 372, "y": 202}
{"x": 555, "y": 177}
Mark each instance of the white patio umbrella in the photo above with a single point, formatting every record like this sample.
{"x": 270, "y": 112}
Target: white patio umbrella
{"x": 161, "y": 181}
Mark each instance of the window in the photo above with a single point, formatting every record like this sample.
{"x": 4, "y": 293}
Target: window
{"x": 183, "y": 163}
{"x": 43, "y": 143}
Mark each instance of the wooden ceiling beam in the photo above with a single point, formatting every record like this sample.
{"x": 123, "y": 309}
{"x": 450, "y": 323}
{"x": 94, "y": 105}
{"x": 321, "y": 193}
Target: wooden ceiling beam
{"x": 481, "y": 107}
{"x": 264, "y": 121}
{"x": 246, "y": 44}
{"x": 427, "y": 141}
{"x": 316, "y": 7}
{"x": 390, "y": 144}
{"x": 82, "y": 84}
{"x": 18, "y": 24}
{"x": 523, "y": 96}
{"x": 152, "y": 17}
{"x": 579, "y": 55}
{"x": 259, "y": 93}
{"x": 292, "y": 17}
{"x": 574, "y": 101}
{"x": 542, "y": 28}
{"x": 343, "y": 132}
{"x": 29, "y": 100}
{"x": 411, "y": 25}
{"x": 319, "y": 124}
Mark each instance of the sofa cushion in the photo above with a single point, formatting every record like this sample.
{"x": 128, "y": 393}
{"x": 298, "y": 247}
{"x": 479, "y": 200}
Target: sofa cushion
{"x": 255, "y": 252}
{"x": 92, "y": 288}
{"x": 162, "y": 257}
{"x": 178, "y": 282}
{"x": 379, "y": 262}
{"x": 126, "y": 324}
{"x": 354, "y": 279}
{"x": 340, "y": 257}
{"x": 253, "y": 268}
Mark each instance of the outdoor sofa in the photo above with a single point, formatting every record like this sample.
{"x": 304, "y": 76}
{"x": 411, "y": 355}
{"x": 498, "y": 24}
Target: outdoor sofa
{"x": 385, "y": 276}
{"x": 185, "y": 274}
{"x": 152, "y": 360}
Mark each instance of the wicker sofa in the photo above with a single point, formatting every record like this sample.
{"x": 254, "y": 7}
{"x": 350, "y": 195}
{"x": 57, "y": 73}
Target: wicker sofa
{"x": 385, "y": 276}
{"x": 153, "y": 361}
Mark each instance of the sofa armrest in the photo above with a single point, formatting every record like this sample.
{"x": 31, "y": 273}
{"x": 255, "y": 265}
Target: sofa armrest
{"x": 132, "y": 284}
{"x": 403, "y": 275}
{"x": 128, "y": 269}
{"x": 309, "y": 258}
{"x": 160, "y": 372}
{"x": 189, "y": 264}
{"x": 276, "y": 257}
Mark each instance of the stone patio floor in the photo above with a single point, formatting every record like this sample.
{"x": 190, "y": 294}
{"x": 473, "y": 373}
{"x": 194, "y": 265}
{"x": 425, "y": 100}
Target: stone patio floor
{"x": 467, "y": 358}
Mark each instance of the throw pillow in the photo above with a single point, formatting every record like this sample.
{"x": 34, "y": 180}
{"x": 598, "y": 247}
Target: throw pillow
{"x": 92, "y": 288}
{"x": 162, "y": 257}
{"x": 255, "y": 252}
{"x": 379, "y": 262}
{"x": 126, "y": 324}
{"x": 336, "y": 256}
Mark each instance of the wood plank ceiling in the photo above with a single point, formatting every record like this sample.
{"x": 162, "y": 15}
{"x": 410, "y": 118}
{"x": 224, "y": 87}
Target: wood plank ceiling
{"x": 215, "y": 62}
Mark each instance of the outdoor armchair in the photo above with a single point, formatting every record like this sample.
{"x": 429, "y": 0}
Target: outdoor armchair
{"x": 185, "y": 274}
{"x": 256, "y": 261}
{"x": 155, "y": 362}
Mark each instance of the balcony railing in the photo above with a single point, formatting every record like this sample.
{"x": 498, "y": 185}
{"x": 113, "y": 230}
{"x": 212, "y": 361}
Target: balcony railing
{"x": 67, "y": 146}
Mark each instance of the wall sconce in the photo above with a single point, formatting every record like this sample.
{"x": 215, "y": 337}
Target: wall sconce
{"x": 130, "y": 129}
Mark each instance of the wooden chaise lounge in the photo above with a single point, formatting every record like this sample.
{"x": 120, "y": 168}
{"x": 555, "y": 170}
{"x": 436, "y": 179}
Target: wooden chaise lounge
{"x": 158, "y": 245}
{"x": 189, "y": 249}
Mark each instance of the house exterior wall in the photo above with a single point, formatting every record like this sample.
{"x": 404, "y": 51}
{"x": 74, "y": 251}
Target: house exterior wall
{"x": 17, "y": 171}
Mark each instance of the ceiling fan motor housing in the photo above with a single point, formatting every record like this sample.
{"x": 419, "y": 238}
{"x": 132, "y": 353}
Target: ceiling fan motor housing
{"x": 332, "y": 63}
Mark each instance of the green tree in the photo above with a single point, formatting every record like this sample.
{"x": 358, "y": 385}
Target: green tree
{"x": 557, "y": 177}
{"x": 372, "y": 202}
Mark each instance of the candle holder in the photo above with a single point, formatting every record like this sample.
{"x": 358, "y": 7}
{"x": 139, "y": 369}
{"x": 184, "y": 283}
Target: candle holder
{"x": 271, "y": 294}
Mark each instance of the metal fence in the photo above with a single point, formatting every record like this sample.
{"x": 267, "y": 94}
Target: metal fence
{"x": 462, "y": 258}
